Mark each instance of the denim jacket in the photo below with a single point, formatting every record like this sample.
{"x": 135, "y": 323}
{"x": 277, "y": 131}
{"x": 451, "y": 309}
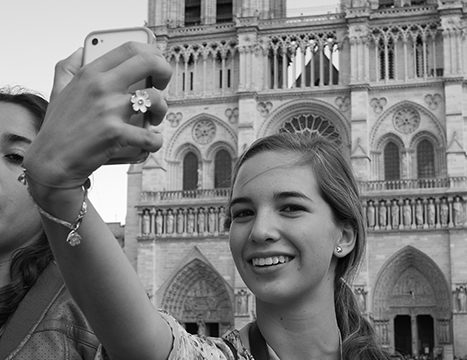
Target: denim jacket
{"x": 48, "y": 325}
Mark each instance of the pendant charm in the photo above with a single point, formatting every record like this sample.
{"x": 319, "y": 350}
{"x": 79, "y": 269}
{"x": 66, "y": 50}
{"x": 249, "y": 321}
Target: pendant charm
{"x": 73, "y": 238}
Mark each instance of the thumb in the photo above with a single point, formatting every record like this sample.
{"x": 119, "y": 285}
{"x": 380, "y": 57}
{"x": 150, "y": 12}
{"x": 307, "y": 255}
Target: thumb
{"x": 64, "y": 72}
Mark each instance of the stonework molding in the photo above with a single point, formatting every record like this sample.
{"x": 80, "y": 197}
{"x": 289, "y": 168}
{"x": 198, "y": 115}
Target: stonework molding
{"x": 426, "y": 116}
{"x": 406, "y": 119}
{"x": 204, "y": 131}
{"x": 316, "y": 108}
{"x": 178, "y": 140}
{"x": 378, "y": 104}
{"x": 264, "y": 108}
{"x": 198, "y": 290}
{"x": 343, "y": 103}
{"x": 410, "y": 279}
{"x": 232, "y": 115}
{"x": 174, "y": 118}
{"x": 433, "y": 100}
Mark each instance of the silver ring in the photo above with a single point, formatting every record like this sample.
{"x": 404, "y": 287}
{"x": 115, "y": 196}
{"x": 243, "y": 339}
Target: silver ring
{"x": 140, "y": 101}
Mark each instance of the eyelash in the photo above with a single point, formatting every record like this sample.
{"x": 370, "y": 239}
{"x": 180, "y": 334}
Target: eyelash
{"x": 15, "y": 158}
{"x": 291, "y": 208}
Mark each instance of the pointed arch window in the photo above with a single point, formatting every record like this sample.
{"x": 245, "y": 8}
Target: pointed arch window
{"x": 386, "y": 59}
{"x": 425, "y": 159}
{"x": 222, "y": 169}
{"x": 192, "y": 12}
{"x": 391, "y": 162}
{"x": 190, "y": 171}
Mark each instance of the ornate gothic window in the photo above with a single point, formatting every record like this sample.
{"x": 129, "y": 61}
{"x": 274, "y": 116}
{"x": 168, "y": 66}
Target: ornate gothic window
{"x": 391, "y": 162}
{"x": 425, "y": 160}
{"x": 190, "y": 171}
{"x": 192, "y": 12}
{"x": 310, "y": 124}
{"x": 386, "y": 59}
{"x": 224, "y": 11}
{"x": 222, "y": 169}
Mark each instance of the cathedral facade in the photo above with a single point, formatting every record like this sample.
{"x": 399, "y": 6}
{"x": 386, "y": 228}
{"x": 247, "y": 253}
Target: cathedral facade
{"x": 386, "y": 80}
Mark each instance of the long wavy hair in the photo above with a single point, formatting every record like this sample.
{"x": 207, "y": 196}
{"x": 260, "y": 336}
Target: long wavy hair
{"x": 338, "y": 187}
{"x": 27, "y": 262}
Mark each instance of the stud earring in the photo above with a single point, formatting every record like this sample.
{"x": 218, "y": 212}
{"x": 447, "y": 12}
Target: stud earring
{"x": 338, "y": 249}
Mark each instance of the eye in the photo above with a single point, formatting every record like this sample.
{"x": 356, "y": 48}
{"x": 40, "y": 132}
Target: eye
{"x": 241, "y": 214}
{"x": 292, "y": 208}
{"x": 15, "y": 158}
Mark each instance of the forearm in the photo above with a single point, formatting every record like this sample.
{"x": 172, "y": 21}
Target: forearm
{"x": 102, "y": 281}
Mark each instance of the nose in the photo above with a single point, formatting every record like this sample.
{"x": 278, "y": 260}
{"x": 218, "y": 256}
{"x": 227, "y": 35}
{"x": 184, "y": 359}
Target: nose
{"x": 265, "y": 227}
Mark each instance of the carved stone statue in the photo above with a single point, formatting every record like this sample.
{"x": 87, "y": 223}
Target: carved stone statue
{"x": 370, "y": 213}
{"x": 462, "y": 299}
{"x": 458, "y": 212}
{"x": 395, "y": 214}
{"x": 146, "y": 222}
{"x": 242, "y": 302}
{"x": 382, "y": 214}
{"x": 211, "y": 220}
{"x": 170, "y": 221}
{"x": 431, "y": 213}
{"x": 180, "y": 221}
{"x": 221, "y": 219}
{"x": 443, "y": 212}
{"x": 407, "y": 213}
{"x": 190, "y": 221}
{"x": 159, "y": 222}
{"x": 201, "y": 219}
{"x": 419, "y": 213}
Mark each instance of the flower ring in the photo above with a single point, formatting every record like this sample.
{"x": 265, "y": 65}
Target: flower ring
{"x": 140, "y": 101}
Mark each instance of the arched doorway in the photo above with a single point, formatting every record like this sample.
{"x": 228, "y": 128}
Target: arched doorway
{"x": 199, "y": 299}
{"x": 411, "y": 303}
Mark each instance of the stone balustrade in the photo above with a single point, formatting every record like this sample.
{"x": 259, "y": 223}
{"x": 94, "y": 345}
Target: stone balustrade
{"x": 408, "y": 205}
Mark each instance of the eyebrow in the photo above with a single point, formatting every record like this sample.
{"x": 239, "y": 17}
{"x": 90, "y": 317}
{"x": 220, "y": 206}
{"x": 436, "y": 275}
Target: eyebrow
{"x": 277, "y": 196}
{"x": 15, "y": 138}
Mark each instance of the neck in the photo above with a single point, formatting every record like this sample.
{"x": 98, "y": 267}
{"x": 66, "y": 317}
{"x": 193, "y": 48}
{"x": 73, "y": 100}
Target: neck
{"x": 309, "y": 331}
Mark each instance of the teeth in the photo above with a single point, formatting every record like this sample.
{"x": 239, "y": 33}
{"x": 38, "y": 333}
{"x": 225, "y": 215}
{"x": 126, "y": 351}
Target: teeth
{"x": 271, "y": 260}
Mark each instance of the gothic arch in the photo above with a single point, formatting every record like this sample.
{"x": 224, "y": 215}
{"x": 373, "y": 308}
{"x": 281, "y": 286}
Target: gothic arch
{"x": 315, "y": 107}
{"x": 220, "y": 145}
{"x": 412, "y": 270}
{"x": 198, "y": 290}
{"x": 388, "y": 137}
{"x": 178, "y": 139}
{"x": 376, "y": 132}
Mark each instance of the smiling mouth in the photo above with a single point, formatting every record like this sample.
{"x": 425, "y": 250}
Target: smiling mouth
{"x": 270, "y": 260}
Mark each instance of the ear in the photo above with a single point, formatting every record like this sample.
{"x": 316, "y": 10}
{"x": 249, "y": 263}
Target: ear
{"x": 346, "y": 242}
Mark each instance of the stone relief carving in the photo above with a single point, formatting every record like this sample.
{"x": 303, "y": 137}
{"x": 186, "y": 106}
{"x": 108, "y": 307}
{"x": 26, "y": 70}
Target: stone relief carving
{"x": 433, "y": 101}
{"x": 378, "y": 104}
{"x": 174, "y": 118}
{"x": 264, "y": 108}
{"x": 232, "y": 115}
{"x": 460, "y": 298}
{"x": 343, "y": 103}
{"x": 204, "y": 131}
{"x": 241, "y": 302}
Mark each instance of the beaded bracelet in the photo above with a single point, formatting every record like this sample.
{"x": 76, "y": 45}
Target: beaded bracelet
{"x": 73, "y": 237}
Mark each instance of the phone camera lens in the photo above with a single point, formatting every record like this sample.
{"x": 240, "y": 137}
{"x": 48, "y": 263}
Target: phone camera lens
{"x": 94, "y": 41}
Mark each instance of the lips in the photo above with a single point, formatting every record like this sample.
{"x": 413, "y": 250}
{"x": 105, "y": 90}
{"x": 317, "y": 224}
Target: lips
{"x": 270, "y": 260}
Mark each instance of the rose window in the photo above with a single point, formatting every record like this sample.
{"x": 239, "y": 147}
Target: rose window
{"x": 406, "y": 120}
{"x": 204, "y": 131}
{"x": 312, "y": 124}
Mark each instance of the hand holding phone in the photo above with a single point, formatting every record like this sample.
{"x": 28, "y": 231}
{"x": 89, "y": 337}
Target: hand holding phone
{"x": 96, "y": 44}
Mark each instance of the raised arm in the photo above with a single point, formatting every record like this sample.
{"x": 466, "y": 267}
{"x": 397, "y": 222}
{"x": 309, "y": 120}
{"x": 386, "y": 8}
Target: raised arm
{"x": 84, "y": 126}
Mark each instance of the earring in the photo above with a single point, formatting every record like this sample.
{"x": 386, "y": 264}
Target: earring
{"x": 338, "y": 249}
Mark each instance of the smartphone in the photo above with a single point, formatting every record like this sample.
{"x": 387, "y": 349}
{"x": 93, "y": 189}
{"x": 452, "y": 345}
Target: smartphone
{"x": 99, "y": 42}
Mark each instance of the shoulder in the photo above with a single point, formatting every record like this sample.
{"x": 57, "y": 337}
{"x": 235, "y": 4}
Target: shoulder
{"x": 195, "y": 347}
{"x": 54, "y": 324}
